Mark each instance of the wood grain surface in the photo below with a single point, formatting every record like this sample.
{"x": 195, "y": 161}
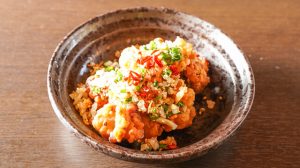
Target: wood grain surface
{"x": 267, "y": 31}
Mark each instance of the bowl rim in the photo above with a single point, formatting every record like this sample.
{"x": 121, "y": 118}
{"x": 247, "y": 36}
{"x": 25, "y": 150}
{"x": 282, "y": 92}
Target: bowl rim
{"x": 181, "y": 153}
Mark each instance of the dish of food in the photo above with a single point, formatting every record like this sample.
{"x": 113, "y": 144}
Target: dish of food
{"x": 118, "y": 126}
{"x": 145, "y": 91}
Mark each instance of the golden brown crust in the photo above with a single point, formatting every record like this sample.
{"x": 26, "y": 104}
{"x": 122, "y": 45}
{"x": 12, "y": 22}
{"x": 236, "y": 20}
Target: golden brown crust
{"x": 152, "y": 128}
{"x": 196, "y": 73}
{"x": 185, "y": 118}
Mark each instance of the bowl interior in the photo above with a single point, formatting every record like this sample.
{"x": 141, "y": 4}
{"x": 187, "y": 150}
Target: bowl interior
{"x": 101, "y": 37}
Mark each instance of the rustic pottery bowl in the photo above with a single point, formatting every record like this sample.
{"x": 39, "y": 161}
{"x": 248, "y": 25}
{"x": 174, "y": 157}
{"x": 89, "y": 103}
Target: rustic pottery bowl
{"x": 100, "y": 37}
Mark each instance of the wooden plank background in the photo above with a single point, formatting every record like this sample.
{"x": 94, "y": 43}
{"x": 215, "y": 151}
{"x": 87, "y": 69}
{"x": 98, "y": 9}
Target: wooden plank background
{"x": 267, "y": 31}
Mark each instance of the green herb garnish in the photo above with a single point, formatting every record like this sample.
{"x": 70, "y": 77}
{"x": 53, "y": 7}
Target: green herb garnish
{"x": 169, "y": 114}
{"x": 108, "y": 68}
{"x": 138, "y": 88}
{"x": 95, "y": 90}
{"x": 180, "y": 104}
{"x": 123, "y": 91}
{"x": 165, "y": 107}
{"x": 158, "y": 97}
{"x": 143, "y": 71}
{"x": 166, "y": 58}
{"x": 119, "y": 76}
{"x": 155, "y": 83}
{"x": 175, "y": 54}
{"x": 153, "y": 45}
{"x": 163, "y": 146}
{"x": 128, "y": 100}
{"x": 167, "y": 72}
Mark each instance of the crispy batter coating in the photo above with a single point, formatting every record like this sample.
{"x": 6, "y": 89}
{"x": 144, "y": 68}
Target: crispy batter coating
{"x": 135, "y": 130}
{"x": 196, "y": 73}
{"x": 185, "y": 119}
{"x": 151, "y": 128}
{"x": 104, "y": 121}
{"x": 189, "y": 97}
{"x": 119, "y": 122}
{"x": 82, "y": 103}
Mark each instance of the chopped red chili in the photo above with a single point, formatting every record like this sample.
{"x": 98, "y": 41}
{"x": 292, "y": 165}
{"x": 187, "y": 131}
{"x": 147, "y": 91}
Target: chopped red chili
{"x": 150, "y": 64}
{"x": 146, "y": 60}
{"x": 174, "y": 69}
{"x": 135, "y": 76}
{"x": 158, "y": 62}
{"x": 172, "y": 146}
{"x": 151, "y": 60}
{"x": 146, "y": 104}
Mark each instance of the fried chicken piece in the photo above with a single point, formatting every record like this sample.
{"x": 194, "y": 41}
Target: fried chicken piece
{"x": 185, "y": 119}
{"x": 189, "y": 97}
{"x": 117, "y": 123}
{"x": 151, "y": 128}
{"x": 135, "y": 130}
{"x": 104, "y": 120}
{"x": 196, "y": 73}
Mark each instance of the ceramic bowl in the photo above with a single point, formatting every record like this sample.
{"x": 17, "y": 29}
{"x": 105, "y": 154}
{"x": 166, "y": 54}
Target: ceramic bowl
{"x": 99, "y": 38}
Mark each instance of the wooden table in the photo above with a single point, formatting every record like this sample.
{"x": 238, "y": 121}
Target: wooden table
{"x": 267, "y": 31}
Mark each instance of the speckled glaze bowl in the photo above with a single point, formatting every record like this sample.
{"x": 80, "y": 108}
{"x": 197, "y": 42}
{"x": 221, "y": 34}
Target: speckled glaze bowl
{"x": 100, "y": 37}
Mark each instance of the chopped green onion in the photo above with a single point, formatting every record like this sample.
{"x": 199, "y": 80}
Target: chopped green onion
{"x": 167, "y": 72}
{"x": 175, "y": 54}
{"x": 123, "y": 90}
{"x": 95, "y": 90}
{"x": 166, "y": 58}
{"x": 168, "y": 115}
{"x": 155, "y": 83}
{"x": 145, "y": 47}
{"x": 128, "y": 100}
{"x": 165, "y": 107}
{"x": 180, "y": 104}
{"x": 153, "y": 45}
{"x": 158, "y": 97}
{"x": 143, "y": 71}
{"x": 163, "y": 146}
{"x": 138, "y": 88}
{"x": 108, "y": 68}
{"x": 119, "y": 76}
